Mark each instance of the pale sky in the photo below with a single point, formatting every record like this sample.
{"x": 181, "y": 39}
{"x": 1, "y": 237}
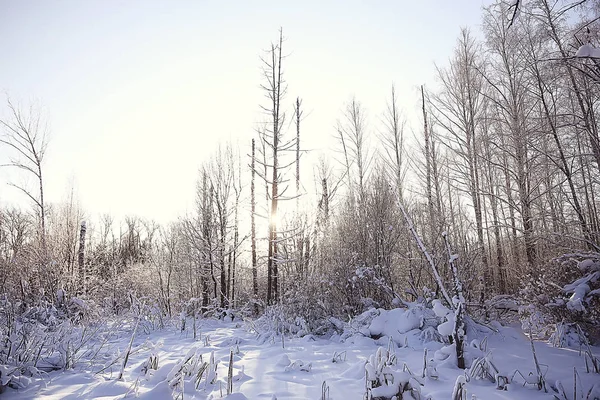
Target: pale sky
{"x": 138, "y": 93}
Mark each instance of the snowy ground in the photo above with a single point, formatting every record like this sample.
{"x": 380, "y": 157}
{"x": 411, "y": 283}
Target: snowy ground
{"x": 263, "y": 369}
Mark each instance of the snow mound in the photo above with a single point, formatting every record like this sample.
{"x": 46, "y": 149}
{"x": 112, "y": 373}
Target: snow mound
{"x": 235, "y": 396}
{"x": 284, "y": 361}
{"x": 389, "y": 323}
{"x": 412, "y": 326}
{"x": 587, "y": 50}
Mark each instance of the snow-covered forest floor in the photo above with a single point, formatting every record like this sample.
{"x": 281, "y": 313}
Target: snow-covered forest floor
{"x": 267, "y": 366}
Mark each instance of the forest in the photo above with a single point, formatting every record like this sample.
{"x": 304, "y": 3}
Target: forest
{"x": 488, "y": 211}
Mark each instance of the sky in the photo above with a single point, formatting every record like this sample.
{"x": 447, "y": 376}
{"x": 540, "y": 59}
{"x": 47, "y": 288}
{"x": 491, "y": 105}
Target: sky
{"x": 138, "y": 94}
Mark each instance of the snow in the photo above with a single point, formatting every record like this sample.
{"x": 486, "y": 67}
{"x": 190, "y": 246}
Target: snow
{"x": 395, "y": 321}
{"x": 580, "y": 290}
{"x": 460, "y": 381}
{"x": 235, "y": 396}
{"x": 266, "y": 370}
{"x": 446, "y": 328}
{"x": 587, "y": 50}
{"x": 439, "y": 309}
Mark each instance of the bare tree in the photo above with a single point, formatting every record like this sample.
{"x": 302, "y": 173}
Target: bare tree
{"x": 200, "y": 234}
{"x": 458, "y": 109}
{"x": 165, "y": 261}
{"x": 298, "y": 112}
{"x": 510, "y": 88}
{"x": 393, "y": 140}
{"x": 15, "y": 231}
{"x": 553, "y": 13}
{"x": 275, "y": 90}
{"x": 221, "y": 181}
{"x": 25, "y": 133}
{"x": 352, "y": 131}
{"x": 237, "y": 188}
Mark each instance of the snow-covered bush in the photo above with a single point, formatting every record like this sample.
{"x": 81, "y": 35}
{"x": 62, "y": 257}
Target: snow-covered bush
{"x": 385, "y": 380}
{"x": 41, "y": 338}
{"x": 298, "y": 365}
{"x": 22, "y": 339}
{"x": 298, "y": 314}
{"x": 273, "y": 322}
{"x": 536, "y": 321}
{"x": 567, "y": 291}
{"x": 591, "y": 393}
{"x": 483, "y": 368}
{"x": 186, "y": 367}
{"x": 459, "y": 392}
{"x": 151, "y": 364}
{"x": 502, "y": 308}
{"x": 584, "y": 293}
{"x": 566, "y": 335}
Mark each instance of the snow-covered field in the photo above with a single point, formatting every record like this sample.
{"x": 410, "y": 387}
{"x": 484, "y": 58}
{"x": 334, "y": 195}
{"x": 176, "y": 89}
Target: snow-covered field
{"x": 267, "y": 367}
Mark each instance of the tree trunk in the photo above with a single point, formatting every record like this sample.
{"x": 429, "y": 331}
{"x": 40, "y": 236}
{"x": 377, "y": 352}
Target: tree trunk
{"x": 81, "y": 258}
{"x": 253, "y": 226}
{"x": 428, "y": 187}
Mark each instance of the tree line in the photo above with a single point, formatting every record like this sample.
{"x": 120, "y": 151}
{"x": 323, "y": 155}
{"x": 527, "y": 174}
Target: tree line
{"x": 505, "y": 166}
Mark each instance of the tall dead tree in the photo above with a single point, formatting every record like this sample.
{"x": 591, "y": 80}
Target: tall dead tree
{"x": 303, "y": 237}
{"x": 275, "y": 94}
{"x": 275, "y": 89}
